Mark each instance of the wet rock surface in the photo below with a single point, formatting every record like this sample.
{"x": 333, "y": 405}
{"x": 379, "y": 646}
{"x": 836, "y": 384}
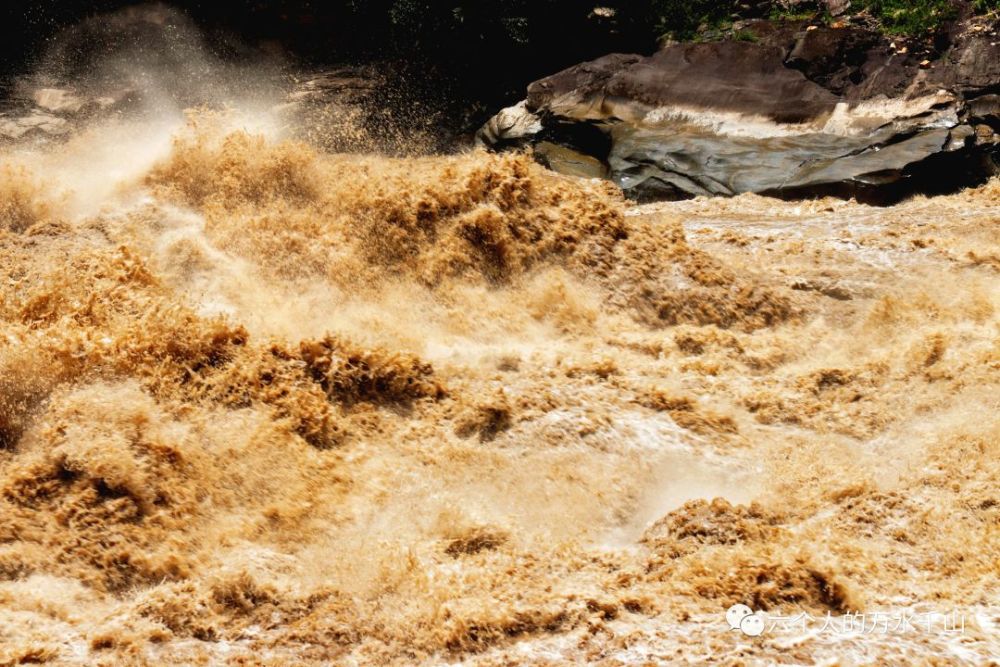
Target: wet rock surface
{"x": 793, "y": 110}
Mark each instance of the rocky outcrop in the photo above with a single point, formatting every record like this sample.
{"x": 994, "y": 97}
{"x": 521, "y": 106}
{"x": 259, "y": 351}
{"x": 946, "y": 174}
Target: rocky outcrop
{"x": 794, "y": 110}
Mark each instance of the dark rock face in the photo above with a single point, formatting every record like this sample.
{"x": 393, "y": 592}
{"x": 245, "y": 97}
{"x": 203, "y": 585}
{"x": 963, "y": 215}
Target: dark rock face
{"x": 750, "y": 79}
{"x": 832, "y": 57}
{"x": 972, "y": 65}
{"x": 801, "y": 111}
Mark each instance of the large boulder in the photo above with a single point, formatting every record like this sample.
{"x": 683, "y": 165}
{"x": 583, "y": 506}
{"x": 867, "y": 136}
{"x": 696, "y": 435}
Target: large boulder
{"x": 798, "y": 111}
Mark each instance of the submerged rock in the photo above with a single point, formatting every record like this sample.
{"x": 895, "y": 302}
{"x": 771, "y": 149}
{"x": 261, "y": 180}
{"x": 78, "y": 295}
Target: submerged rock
{"x": 801, "y": 111}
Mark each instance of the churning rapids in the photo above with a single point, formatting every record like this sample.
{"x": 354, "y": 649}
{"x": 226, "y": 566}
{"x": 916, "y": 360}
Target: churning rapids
{"x": 262, "y": 403}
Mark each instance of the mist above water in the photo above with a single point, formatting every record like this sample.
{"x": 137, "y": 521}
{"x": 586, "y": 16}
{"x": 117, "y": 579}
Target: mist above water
{"x": 156, "y": 55}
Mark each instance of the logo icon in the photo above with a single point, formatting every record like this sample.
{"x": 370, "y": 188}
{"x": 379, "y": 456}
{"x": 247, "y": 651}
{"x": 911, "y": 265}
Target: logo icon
{"x": 741, "y": 617}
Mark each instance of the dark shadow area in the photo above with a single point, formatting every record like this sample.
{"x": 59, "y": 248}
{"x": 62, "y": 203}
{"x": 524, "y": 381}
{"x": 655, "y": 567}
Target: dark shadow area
{"x": 940, "y": 174}
{"x": 463, "y": 58}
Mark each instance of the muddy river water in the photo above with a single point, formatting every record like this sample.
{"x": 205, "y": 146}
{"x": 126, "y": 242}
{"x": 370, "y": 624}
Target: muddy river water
{"x": 262, "y": 403}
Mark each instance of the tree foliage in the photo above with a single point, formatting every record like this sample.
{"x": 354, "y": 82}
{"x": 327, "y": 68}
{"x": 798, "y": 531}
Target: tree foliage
{"x": 911, "y": 17}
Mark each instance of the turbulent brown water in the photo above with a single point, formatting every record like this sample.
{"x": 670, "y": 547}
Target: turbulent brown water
{"x": 265, "y": 404}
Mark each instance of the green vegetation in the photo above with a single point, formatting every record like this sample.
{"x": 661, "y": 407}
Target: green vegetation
{"x": 696, "y": 19}
{"x": 781, "y": 12}
{"x": 683, "y": 19}
{"x": 911, "y": 17}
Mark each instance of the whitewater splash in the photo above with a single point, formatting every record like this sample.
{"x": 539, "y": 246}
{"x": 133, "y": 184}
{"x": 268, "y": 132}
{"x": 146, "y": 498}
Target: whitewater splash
{"x": 259, "y": 402}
